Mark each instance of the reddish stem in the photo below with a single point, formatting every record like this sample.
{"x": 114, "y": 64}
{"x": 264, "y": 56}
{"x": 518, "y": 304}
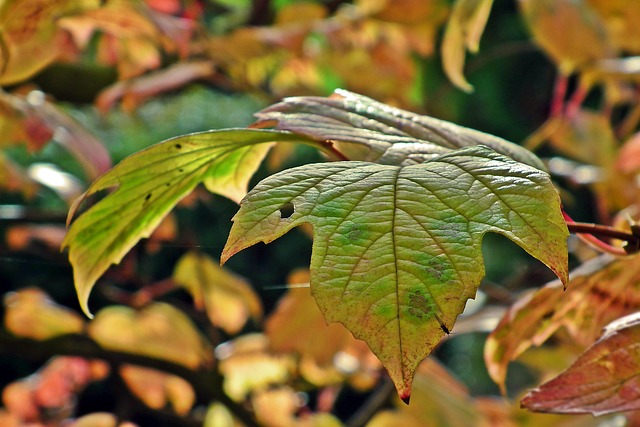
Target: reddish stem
{"x": 559, "y": 92}
{"x": 587, "y": 232}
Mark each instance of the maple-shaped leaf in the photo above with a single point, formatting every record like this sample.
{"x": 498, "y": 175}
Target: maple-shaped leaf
{"x": 397, "y": 249}
{"x": 604, "y": 379}
{"x": 150, "y": 183}
{"x": 365, "y": 129}
{"x": 600, "y": 291}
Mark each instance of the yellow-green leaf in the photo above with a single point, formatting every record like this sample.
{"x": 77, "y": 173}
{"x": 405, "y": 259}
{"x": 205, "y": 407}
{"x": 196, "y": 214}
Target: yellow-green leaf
{"x": 150, "y": 183}
{"x": 397, "y": 249}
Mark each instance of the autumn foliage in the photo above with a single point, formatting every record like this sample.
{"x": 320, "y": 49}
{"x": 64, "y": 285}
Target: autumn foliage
{"x": 384, "y": 296}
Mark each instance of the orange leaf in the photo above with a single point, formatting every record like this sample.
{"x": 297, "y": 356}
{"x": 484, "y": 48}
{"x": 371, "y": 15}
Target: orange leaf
{"x": 157, "y": 389}
{"x": 31, "y": 37}
{"x": 548, "y": 21}
{"x": 600, "y": 291}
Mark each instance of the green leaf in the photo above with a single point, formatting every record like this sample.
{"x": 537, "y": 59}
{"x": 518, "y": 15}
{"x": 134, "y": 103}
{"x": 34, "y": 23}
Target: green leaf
{"x": 150, "y": 183}
{"x": 397, "y": 249}
{"x": 463, "y": 32}
{"x": 365, "y": 129}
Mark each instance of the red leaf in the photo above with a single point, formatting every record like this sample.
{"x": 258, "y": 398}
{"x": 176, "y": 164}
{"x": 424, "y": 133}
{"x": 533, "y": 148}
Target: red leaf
{"x": 604, "y": 379}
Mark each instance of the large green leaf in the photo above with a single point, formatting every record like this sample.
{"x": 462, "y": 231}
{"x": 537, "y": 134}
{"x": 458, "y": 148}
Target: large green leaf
{"x": 365, "y": 129}
{"x": 150, "y": 183}
{"x": 397, "y": 249}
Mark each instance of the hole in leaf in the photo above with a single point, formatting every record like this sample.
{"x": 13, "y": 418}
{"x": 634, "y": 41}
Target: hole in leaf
{"x": 178, "y": 146}
{"x": 286, "y": 210}
{"x": 147, "y": 197}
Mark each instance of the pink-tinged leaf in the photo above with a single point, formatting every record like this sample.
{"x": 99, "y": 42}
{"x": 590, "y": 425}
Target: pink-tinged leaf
{"x": 599, "y": 291}
{"x": 41, "y": 121}
{"x": 365, "y": 129}
{"x": 604, "y": 379}
{"x": 134, "y": 91}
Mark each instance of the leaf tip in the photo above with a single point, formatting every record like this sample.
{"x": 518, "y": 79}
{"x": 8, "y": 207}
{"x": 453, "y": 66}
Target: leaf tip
{"x": 84, "y": 306}
{"x": 406, "y": 397}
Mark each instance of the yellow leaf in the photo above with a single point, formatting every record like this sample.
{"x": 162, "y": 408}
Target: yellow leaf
{"x": 300, "y": 13}
{"x": 548, "y": 21}
{"x": 227, "y": 298}
{"x": 159, "y": 330}
{"x": 463, "y": 32}
{"x": 276, "y": 407}
{"x": 621, "y": 18}
{"x": 31, "y": 313}
{"x": 219, "y": 416}
{"x": 247, "y": 366}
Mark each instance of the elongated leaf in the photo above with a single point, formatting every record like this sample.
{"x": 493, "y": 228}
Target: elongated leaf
{"x": 376, "y": 132}
{"x": 463, "y": 32}
{"x": 397, "y": 250}
{"x": 604, "y": 379}
{"x": 150, "y": 183}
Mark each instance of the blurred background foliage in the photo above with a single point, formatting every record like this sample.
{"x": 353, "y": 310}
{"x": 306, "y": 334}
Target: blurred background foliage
{"x": 85, "y": 83}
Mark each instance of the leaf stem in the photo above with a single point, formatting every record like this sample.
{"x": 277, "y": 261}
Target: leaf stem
{"x": 590, "y": 234}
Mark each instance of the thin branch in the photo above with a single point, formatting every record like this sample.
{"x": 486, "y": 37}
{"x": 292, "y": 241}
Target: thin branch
{"x": 590, "y": 234}
{"x": 206, "y": 383}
